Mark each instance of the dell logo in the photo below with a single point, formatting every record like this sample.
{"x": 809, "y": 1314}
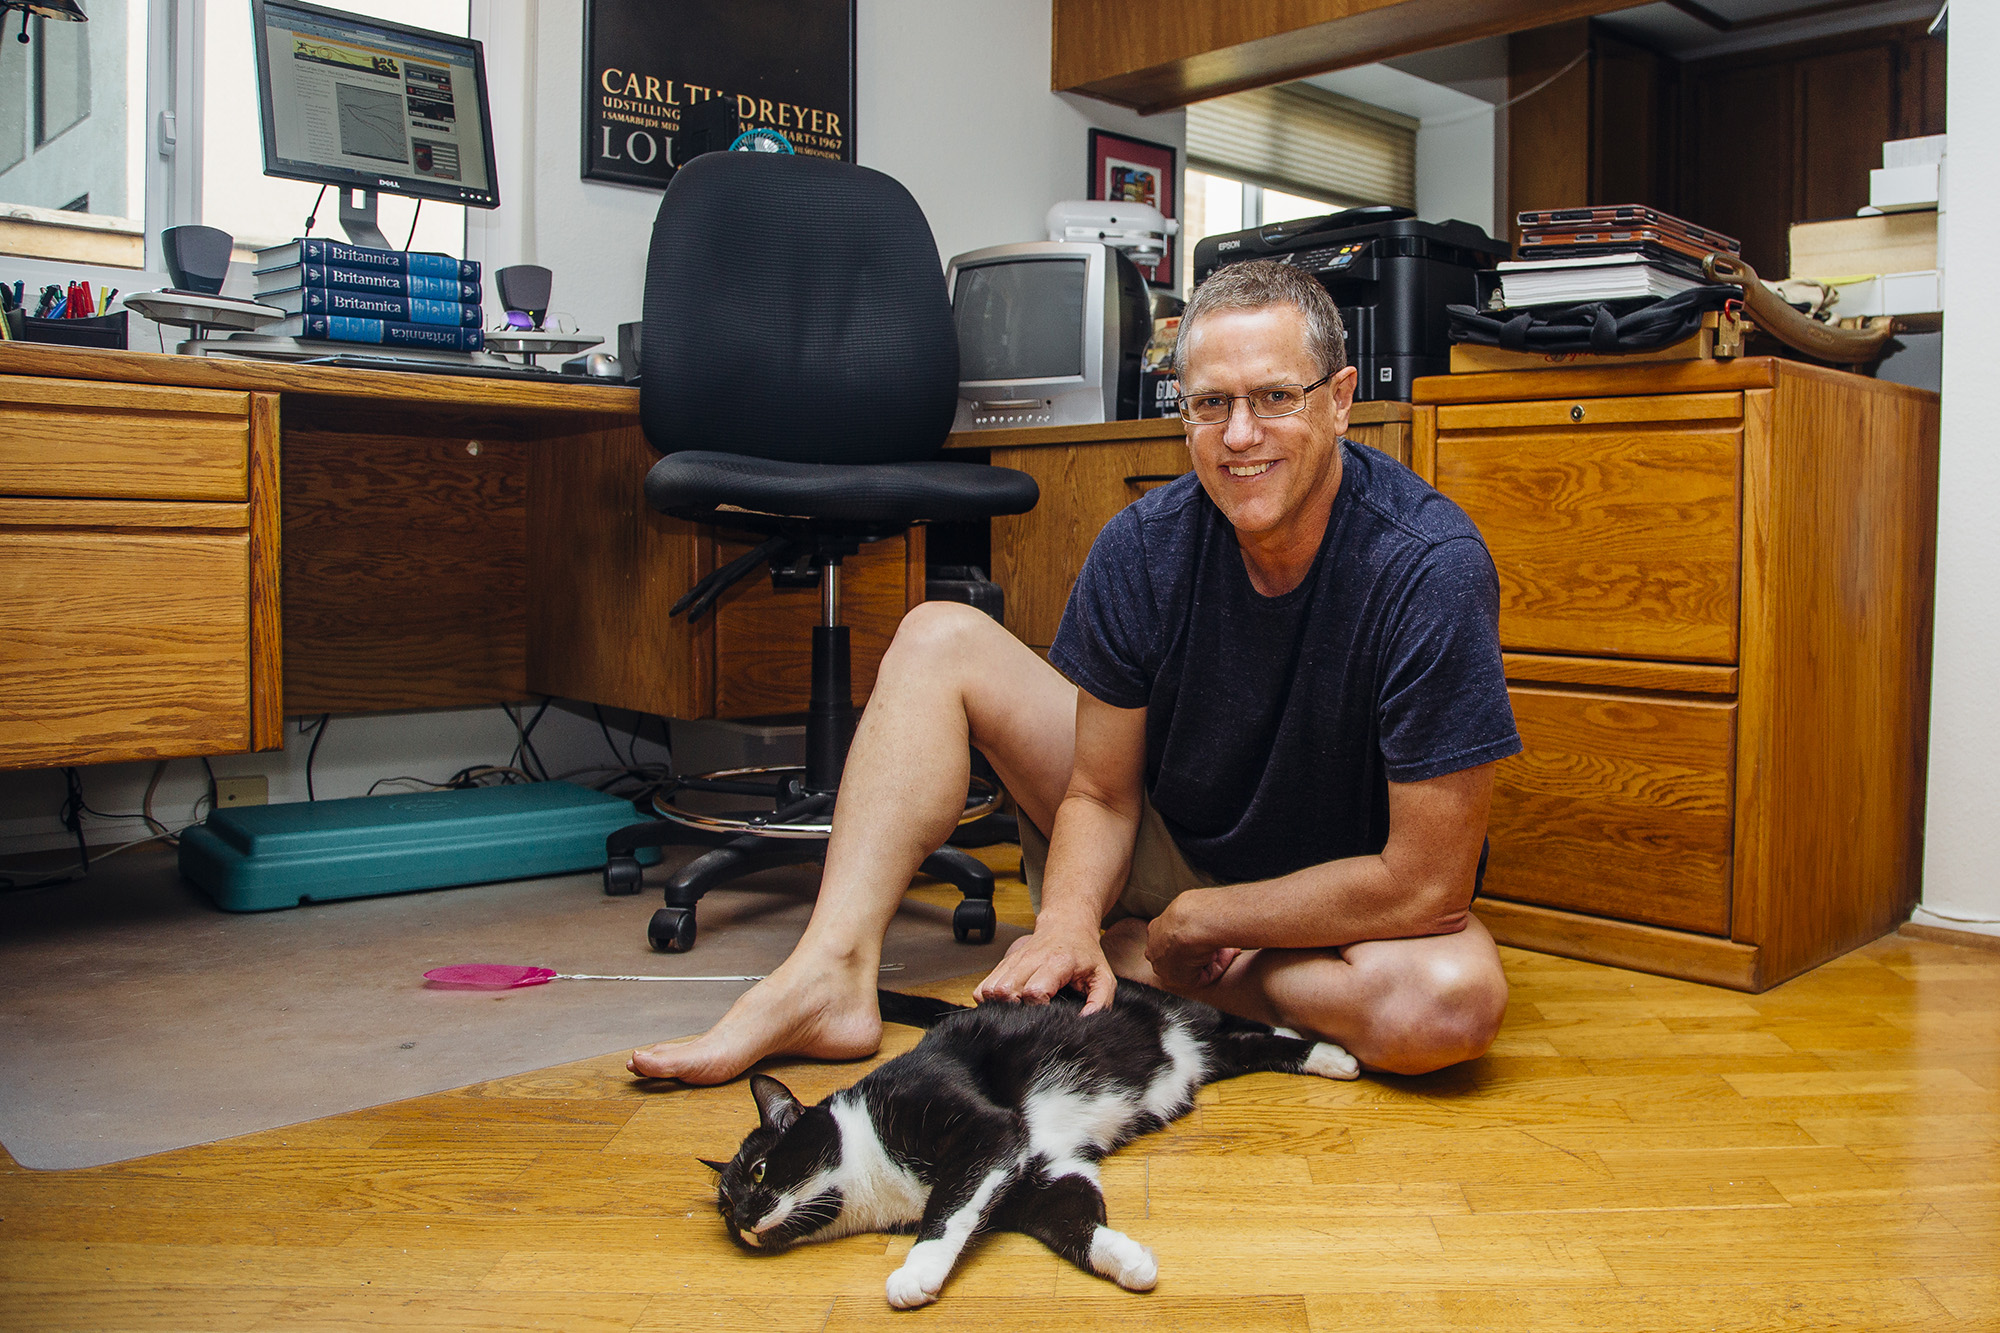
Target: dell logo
{"x": 387, "y": 185}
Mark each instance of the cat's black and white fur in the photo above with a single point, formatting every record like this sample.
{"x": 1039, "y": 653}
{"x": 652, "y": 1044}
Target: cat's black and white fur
{"x": 996, "y": 1121}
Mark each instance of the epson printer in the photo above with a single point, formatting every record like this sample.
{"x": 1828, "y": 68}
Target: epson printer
{"x": 1391, "y": 275}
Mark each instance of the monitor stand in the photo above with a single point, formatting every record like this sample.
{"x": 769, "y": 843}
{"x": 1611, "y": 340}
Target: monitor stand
{"x": 358, "y": 219}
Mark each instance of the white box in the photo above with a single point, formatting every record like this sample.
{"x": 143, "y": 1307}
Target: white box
{"x": 1925, "y": 152}
{"x": 1917, "y": 293}
{"x": 1897, "y": 189}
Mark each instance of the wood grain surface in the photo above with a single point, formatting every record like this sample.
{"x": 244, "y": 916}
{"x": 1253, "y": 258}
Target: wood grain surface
{"x": 404, "y": 571}
{"x": 1836, "y": 685}
{"x": 1191, "y": 50}
{"x": 267, "y": 658}
{"x": 1635, "y": 1153}
{"x": 1647, "y": 378}
{"x": 763, "y": 635}
{"x": 1619, "y": 673}
{"x": 1618, "y": 806}
{"x": 556, "y": 398}
{"x": 1037, "y": 555}
{"x": 1609, "y": 540}
{"x": 604, "y": 569}
{"x": 122, "y": 645}
{"x": 122, "y": 441}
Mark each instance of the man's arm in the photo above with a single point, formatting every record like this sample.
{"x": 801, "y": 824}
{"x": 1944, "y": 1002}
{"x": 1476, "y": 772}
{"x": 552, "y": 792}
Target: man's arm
{"x": 1421, "y": 883}
{"x": 1090, "y": 853}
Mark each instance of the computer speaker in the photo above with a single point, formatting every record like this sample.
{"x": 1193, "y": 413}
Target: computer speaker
{"x": 524, "y": 290}
{"x": 197, "y": 258}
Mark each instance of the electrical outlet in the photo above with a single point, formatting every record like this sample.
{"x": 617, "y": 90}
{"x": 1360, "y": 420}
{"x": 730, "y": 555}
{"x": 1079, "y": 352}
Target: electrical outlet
{"x": 254, "y": 790}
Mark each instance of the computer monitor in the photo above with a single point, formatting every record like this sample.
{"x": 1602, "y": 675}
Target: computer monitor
{"x": 365, "y": 104}
{"x": 1050, "y": 333}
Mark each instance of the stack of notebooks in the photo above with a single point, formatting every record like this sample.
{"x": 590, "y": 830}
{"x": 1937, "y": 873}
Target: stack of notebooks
{"x": 354, "y": 294}
{"x": 1617, "y": 252}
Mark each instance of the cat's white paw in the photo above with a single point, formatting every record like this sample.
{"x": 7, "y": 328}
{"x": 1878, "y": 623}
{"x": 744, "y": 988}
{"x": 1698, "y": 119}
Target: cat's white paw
{"x": 922, "y": 1275}
{"x": 1330, "y": 1061}
{"x": 1125, "y": 1261}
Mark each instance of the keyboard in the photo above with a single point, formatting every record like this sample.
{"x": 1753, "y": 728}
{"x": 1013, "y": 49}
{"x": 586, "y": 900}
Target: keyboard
{"x": 485, "y": 370}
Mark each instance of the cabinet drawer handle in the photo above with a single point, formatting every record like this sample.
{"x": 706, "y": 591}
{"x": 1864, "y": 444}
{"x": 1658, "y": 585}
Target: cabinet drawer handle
{"x": 1576, "y": 412}
{"x": 1144, "y": 477}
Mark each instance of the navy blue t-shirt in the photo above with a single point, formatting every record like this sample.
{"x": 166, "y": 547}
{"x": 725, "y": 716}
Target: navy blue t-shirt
{"x": 1274, "y": 724}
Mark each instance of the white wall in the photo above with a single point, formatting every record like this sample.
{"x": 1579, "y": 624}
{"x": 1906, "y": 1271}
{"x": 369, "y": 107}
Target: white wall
{"x": 1962, "y": 853}
{"x": 953, "y": 100}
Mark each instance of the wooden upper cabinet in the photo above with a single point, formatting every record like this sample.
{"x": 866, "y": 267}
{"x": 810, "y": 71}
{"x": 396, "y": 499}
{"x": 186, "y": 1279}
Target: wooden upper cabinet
{"x": 1168, "y": 53}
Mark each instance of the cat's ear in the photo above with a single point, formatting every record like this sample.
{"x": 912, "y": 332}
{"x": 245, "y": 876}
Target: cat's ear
{"x": 776, "y": 1107}
{"x": 717, "y": 1167}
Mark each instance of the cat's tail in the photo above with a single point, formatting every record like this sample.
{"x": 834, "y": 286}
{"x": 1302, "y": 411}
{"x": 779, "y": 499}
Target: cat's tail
{"x": 917, "y": 1011}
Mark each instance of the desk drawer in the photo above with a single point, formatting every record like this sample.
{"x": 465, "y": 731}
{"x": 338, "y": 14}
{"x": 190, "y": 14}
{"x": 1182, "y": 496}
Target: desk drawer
{"x": 118, "y": 645}
{"x": 1037, "y": 555}
{"x": 1615, "y": 533}
{"x": 1619, "y": 806}
{"x": 122, "y": 441}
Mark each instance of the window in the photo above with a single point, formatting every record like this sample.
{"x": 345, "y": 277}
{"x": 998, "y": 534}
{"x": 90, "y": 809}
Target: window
{"x": 1215, "y": 205}
{"x": 72, "y": 137}
{"x": 1273, "y": 154}
{"x": 76, "y": 120}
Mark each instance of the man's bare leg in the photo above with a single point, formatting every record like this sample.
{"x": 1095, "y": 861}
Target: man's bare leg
{"x": 1403, "y": 1006}
{"x": 952, "y": 677}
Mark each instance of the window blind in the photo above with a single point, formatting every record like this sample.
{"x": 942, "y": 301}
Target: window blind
{"x": 1304, "y": 140}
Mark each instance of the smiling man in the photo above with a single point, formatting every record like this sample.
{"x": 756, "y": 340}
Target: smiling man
{"x": 1262, "y": 746}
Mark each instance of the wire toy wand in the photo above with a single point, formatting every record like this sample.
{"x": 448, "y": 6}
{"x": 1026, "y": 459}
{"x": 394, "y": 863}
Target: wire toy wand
{"x": 512, "y": 976}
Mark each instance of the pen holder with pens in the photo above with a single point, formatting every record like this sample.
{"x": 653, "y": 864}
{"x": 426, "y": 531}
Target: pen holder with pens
{"x": 103, "y": 331}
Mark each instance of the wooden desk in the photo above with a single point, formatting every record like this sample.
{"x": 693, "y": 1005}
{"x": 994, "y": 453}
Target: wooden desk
{"x": 1715, "y": 604}
{"x": 191, "y": 549}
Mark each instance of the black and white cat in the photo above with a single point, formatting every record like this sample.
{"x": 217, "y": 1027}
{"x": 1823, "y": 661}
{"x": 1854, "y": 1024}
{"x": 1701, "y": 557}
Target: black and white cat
{"x": 996, "y": 1121}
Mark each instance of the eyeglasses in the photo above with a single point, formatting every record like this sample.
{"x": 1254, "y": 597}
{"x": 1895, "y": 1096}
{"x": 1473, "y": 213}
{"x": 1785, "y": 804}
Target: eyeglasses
{"x": 1279, "y": 400}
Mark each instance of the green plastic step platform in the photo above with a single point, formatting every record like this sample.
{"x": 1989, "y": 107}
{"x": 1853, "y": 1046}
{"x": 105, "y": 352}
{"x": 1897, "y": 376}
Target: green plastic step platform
{"x": 258, "y": 858}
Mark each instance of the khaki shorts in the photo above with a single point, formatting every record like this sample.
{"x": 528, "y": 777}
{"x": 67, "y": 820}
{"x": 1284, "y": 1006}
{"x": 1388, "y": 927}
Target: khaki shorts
{"x": 1159, "y": 872}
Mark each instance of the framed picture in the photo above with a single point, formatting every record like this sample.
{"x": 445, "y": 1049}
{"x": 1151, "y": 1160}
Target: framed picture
{"x": 1141, "y": 172}
{"x": 783, "y": 65}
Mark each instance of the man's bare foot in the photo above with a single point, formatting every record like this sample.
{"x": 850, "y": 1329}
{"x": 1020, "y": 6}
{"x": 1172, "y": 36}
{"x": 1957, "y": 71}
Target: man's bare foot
{"x": 1124, "y": 944}
{"x": 807, "y": 1007}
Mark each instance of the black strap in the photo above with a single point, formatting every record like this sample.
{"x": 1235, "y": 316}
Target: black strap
{"x": 703, "y": 595}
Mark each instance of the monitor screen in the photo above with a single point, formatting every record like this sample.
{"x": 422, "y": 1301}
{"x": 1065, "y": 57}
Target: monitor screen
{"x": 364, "y": 103}
{"x": 1020, "y": 319}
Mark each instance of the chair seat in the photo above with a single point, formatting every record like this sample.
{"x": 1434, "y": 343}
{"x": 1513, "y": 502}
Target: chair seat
{"x": 701, "y": 485}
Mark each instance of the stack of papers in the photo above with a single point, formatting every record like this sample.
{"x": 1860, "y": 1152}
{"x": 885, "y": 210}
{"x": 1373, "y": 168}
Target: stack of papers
{"x": 1616, "y": 277}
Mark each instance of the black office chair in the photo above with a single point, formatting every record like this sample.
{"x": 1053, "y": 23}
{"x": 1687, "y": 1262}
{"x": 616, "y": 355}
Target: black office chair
{"x": 799, "y": 370}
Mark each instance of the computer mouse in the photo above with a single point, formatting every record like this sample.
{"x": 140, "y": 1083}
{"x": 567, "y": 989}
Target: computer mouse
{"x": 595, "y": 365}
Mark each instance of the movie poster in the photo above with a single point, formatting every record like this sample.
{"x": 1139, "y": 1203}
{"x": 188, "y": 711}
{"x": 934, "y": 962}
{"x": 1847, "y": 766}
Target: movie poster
{"x": 787, "y": 65}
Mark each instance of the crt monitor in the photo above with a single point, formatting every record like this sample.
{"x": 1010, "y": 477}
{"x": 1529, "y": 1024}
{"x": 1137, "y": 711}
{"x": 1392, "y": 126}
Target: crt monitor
{"x": 1050, "y": 333}
{"x": 365, "y": 104}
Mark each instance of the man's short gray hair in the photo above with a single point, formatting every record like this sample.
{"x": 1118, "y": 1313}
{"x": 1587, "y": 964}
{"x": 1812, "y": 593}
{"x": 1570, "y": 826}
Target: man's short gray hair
{"x": 1257, "y": 283}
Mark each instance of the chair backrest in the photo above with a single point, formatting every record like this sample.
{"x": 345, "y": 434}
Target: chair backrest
{"x": 795, "y": 310}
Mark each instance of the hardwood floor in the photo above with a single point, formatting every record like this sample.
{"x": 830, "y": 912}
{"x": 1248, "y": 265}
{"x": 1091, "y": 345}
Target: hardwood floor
{"x": 1634, "y": 1154}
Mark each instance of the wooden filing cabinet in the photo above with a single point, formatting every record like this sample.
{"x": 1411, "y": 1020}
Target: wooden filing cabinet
{"x": 138, "y": 572}
{"x": 1089, "y": 473}
{"x": 1715, "y": 607}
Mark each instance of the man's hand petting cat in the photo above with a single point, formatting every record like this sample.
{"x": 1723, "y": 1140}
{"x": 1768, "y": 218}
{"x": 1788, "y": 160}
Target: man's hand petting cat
{"x": 1039, "y": 966}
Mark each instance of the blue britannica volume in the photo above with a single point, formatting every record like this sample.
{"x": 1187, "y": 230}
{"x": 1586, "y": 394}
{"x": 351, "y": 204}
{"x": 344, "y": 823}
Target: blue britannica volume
{"x": 389, "y": 332}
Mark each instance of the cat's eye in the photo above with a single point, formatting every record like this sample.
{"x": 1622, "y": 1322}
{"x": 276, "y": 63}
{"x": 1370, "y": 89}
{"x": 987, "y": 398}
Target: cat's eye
{"x": 757, "y": 1174}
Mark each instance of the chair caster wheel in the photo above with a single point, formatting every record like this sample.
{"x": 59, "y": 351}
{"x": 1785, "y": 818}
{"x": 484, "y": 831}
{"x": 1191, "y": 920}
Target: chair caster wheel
{"x": 973, "y": 921}
{"x": 671, "y": 930}
{"x": 622, "y": 875}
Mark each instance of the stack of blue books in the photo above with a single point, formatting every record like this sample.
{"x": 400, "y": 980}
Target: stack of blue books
{"x": 356, "y": 294}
